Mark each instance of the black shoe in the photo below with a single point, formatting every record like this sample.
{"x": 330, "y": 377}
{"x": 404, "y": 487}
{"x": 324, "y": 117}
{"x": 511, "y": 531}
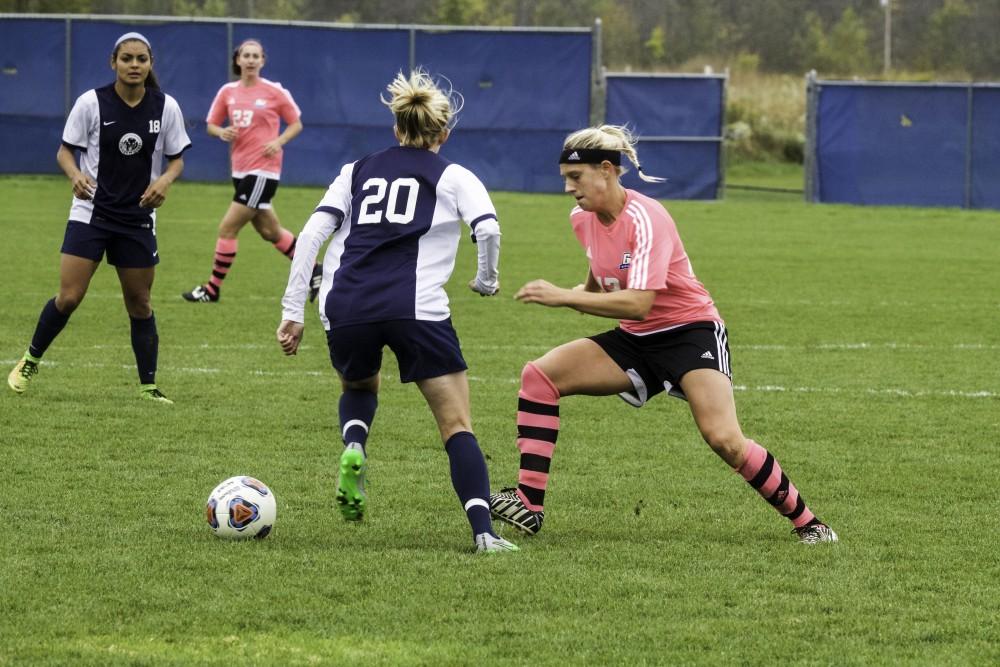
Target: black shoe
{"x": 507, "y": 507}
{"x": 201, "y": 294}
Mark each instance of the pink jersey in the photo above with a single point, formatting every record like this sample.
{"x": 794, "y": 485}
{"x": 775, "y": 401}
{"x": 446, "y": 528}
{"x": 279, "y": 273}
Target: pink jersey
{"x": 642, "y": 250}
{"x": 256, "y": 111}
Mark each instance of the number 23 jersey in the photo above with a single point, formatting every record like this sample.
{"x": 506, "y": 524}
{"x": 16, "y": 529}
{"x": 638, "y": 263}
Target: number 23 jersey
{"x": 401, "y": 211}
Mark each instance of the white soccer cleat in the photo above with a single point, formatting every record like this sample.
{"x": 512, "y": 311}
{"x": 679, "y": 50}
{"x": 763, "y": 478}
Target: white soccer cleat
{"x": 486, "y": 543}
{"x": 815, "y": 533}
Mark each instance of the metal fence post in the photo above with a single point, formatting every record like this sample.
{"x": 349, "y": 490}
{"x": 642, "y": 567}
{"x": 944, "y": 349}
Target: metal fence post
{"x": 968, "y": 146}
{"x": 811, "y": 186}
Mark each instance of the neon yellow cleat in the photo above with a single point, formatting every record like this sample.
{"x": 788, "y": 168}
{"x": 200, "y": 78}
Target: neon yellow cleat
{"x": 149, "y": 392}
{"x": 21, "y": 375}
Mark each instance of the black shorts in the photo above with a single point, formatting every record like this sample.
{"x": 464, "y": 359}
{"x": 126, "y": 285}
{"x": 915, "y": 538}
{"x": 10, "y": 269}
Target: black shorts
{"x": 254, "y": 190}
{"x": 423, "y": 349}
{"x": 128, "y": 246}
{"x": 657, "y": 362}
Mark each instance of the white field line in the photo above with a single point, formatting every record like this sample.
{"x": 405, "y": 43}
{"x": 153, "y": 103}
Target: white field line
{"x": 765, "y": 388}
{"x": 490, "y": 347}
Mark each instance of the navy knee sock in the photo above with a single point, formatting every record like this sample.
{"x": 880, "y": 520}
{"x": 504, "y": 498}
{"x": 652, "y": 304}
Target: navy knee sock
{"x": 50, "y": 323}
{"x": 146, "y": 345}
{"x": 471, "y": 480}
{"x": 357, "y": 410}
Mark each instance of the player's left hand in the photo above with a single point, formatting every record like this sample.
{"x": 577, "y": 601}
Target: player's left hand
{"x": 475, "y": 287}
{"x": 272, "y": 147}
{"x": 154, "y": 196}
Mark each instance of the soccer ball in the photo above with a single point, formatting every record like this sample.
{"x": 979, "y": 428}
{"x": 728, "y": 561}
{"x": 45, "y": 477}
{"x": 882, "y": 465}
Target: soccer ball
{"x": 241, "y": 507}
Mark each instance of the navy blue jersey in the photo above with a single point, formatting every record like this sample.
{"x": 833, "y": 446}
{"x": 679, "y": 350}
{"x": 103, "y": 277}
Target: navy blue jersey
{"x": 122, "y": 150}
{"x": 396, "y": 221}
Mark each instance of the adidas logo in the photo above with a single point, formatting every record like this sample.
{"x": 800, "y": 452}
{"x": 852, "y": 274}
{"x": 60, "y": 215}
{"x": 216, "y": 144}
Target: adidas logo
{"x": 574, "y": 156}
{"x": 243, "y": 197}
{"x": 708, "y": 355}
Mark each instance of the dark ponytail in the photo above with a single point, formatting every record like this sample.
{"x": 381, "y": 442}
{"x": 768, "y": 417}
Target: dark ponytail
{"x": 236, "y": 54}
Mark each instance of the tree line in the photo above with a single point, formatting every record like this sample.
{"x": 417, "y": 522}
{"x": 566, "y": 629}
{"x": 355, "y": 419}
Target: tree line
{"x": 929, "y": 38}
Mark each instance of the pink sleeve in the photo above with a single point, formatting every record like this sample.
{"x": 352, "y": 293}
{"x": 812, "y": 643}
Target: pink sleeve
{"x": 218, "y": 112}
{"x": 288, "y": 109}
{"x": 652, "y": 245}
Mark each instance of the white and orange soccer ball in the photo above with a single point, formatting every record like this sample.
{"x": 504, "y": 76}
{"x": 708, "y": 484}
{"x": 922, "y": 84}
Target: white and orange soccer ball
{"x": 241, "y": 507}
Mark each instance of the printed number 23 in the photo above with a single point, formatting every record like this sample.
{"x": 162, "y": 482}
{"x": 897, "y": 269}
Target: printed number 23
{"x": 377, "y": 204}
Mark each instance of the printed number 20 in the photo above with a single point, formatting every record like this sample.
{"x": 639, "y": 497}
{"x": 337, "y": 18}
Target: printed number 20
{"x": 376, "y": 204}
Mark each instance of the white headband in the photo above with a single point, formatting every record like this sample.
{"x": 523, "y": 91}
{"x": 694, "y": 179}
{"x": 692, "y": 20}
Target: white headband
{"x": 133, "y": 35}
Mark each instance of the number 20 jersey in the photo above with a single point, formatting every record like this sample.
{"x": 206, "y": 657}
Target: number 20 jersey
{"x": 401, "y": 211}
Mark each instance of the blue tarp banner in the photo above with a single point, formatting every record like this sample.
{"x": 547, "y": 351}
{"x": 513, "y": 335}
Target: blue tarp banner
{"x": 514, "y": 81}
{"x": 672, "y": 106}
{"x": 667, "y": 106}
{"x": 902, "y": 145}
{"x": 985, "y": 184}
{"x": 32, "y": 68}
{"x": 524, "y": 91}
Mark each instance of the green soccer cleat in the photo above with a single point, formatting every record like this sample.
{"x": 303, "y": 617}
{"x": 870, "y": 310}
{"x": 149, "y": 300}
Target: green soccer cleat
{"x": 486, "y": 543}
{"x": 22, "y": 373}
{"x": 149, "y": 392}
{"x": 351, "y": 484}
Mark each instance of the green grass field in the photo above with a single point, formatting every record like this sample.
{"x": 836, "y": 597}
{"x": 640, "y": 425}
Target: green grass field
{"x": 864, "y": 348}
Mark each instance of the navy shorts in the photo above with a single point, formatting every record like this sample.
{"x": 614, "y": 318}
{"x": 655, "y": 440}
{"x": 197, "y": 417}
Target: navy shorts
{"x": 127, "y": 246}
{"x": 254, "y": 190}
{"x": 657, "y": 362}
{"x": 423, "y": 349}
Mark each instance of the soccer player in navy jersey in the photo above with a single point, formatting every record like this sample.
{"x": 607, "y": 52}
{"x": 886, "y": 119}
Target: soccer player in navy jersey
{"x": 395, "y": 220}
{"x": 670, "y": 337}
{"x": 124, "y": 131}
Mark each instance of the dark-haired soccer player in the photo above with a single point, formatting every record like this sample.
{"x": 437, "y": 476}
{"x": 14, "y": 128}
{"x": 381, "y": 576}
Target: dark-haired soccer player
{"x": 254, "y": 108}
{"x": 124, "y": 131}
{"x": 395, "y": 217}
{"x": 670, "y": 336}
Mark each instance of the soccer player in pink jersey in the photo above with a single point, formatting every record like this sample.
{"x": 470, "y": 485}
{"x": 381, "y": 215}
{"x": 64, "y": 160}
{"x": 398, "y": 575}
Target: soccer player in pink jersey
{"x": 255, "y": 108}
{"x": 670, "y": 336}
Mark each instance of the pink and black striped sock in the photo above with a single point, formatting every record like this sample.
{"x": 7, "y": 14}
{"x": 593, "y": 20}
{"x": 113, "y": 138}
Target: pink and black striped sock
{"x": 762, "y": 471}
{"x": 537, "y": 431}
{"x": 225, "y": 255}
{"x": 286, "y": 243}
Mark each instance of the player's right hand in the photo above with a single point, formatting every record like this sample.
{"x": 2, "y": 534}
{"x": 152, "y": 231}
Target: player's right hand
{"x": 289, "y": 335}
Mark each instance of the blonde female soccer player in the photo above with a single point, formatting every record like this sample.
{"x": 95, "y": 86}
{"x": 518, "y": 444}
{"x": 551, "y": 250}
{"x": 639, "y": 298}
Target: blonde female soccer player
{"x": 395, "y": 220}
{"x": 670, "y": 337}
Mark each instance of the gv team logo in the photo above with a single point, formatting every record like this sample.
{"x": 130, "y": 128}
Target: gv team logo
{"x": 130, "y": 144}
{"x": 626, "y": 261}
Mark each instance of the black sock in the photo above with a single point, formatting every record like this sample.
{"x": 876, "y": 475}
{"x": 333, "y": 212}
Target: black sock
{"x": 50, "y": 323}
{"x": 471, "y": 480}
{"x": 357, "y": 410}
{"x": 146, "y": 345}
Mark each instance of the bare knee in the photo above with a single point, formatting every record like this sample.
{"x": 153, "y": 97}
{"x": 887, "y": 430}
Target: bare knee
{"x": 69, "y": 300}
{"x": 138, "y": 306}
{"x": 730, "y": 445}
{"x": 368, "y": 384}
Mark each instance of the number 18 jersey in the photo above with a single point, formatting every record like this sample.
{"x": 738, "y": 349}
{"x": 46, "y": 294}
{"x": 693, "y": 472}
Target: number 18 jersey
{"x": 399, "y": 213}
